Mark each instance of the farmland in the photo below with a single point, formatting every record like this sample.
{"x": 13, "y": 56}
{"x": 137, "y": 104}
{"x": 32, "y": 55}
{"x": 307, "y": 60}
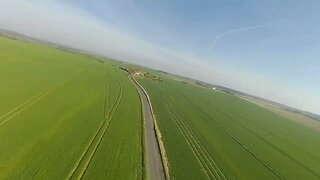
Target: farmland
{"x": 213, "y": 135}
{"x": 66, "y": 115}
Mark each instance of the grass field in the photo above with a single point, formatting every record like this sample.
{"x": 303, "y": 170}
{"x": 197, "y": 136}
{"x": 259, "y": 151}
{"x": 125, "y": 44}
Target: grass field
{"x": 213, "y": 135}
{"x": 298, "y": 118}
{"x": 65, "y": 115}
{"x": 70, "y": 116}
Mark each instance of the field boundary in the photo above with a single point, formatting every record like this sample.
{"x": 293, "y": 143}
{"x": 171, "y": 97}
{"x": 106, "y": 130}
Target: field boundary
{"x": 144, "y": 152}
{"x": 163, "y": 153}
{"x": 143, "y": 145}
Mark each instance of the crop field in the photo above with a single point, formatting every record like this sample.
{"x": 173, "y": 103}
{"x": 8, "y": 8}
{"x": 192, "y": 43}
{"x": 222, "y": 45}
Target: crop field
{"x": 301, "y": 119}
{"x": 71, "y": 116}
{"x": 66, "y": 116}
{"x": 209, "y": 134}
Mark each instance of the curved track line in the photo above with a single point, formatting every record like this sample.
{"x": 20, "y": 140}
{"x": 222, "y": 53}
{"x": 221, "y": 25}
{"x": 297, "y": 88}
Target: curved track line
{"x": 102, "y": 128}
{"x": 100, "y": 140}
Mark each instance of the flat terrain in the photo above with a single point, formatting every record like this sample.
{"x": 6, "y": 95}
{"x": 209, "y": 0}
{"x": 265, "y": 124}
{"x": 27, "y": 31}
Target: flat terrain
{"x": 65, "y": 115}
{"x": 213, "y": 135}
{"x": 155, "y": 170}
{"x": 70, "y": 116}
{"x": 298, "y": 118}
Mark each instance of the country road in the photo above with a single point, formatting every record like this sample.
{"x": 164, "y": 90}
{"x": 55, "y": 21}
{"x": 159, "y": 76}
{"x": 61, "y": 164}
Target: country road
{"x": 155, "y": 170}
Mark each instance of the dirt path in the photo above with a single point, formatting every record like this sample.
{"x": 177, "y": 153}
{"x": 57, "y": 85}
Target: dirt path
{"x": 156, "y": 170}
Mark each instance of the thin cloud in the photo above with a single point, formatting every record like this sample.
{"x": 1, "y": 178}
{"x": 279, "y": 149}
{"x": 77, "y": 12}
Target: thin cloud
{"x": 214, "y": 43}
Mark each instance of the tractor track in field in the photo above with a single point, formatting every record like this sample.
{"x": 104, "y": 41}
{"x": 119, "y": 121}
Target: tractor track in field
{"x": 13, "y": 111}
{"x": 106, "y": 98}
{"x": 264, "y": 140}
{"x": 112, "y": 114}
{"x": 27, "y": 104}
{"x": 213, "y": 164}
{"x": 192, "y": 148}
{"x": 274, "y": 146}
{"x": 205, "y": 159}
{"x": 219, "y": 125}
{"x": 250, "y": 118}
{"x": 97, "y": 138}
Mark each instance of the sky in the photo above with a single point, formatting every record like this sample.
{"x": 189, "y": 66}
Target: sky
{"x": 268, "y": 48}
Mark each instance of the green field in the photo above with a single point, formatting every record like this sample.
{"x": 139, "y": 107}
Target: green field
{"x": 213, "y": 135}
{"x": 71, "y": 116}
{"x": 65, "y": 115}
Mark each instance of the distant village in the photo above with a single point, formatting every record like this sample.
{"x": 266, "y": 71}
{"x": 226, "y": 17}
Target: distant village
{"x": 137, "y": 72}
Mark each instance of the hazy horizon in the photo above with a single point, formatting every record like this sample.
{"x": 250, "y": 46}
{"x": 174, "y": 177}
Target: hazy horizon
{"x": 265, "y": 49}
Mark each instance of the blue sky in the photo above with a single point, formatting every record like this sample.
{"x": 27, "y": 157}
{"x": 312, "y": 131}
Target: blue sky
{"x": 267, "y": 48}
{"x": 287, "y": 48}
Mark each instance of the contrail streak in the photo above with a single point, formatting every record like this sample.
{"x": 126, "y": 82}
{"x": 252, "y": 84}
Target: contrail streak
{"x": 237, "y": 30}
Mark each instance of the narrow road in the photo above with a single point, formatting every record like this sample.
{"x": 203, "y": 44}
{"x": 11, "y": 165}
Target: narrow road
{"x": 156, "y": 170}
